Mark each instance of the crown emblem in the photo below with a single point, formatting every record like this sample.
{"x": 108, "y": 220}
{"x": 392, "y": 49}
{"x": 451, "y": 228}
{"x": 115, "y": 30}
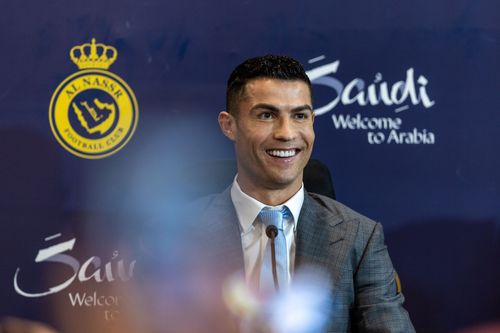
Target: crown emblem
{"x": 93, "y": 55}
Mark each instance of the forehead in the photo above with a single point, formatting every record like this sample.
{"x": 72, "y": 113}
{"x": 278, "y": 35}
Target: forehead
{"x": 276, "y": 92}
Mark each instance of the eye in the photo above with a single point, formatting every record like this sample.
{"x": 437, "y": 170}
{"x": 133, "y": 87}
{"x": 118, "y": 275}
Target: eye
{"x": 265, "y": 115}
{"x": 301, "y": 115}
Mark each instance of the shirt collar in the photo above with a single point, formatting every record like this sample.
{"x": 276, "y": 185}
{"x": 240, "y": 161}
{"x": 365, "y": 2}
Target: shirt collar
{"x": 248, "y": 208}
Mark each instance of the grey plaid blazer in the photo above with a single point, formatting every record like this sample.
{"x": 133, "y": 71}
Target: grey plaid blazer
{"x": 348, "y": 245}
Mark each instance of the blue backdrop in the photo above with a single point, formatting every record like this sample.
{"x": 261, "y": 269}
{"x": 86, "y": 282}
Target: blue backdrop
{"x": 407, "y": 96}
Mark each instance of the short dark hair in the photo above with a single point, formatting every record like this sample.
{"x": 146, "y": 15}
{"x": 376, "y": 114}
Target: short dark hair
{"x": 268, "y": 66}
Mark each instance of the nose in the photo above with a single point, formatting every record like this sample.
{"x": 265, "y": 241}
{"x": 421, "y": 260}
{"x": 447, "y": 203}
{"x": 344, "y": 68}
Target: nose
{"x": 284, "y": 130}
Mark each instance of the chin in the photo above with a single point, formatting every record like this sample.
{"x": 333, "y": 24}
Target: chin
{"x": 282, "y": 181}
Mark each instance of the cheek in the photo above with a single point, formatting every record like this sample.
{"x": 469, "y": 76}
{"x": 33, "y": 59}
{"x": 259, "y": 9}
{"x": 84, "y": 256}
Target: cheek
{"x": 309, "y": 135}
{"x": 254, "y": 136}
{"x": 246, "y": 146}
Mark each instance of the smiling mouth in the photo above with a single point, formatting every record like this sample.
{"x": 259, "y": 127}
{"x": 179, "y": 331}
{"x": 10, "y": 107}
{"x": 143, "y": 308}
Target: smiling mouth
{"x": 282, "y": 153}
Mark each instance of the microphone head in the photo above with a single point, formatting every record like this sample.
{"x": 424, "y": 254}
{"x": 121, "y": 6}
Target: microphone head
{"x": 271, "y": 231}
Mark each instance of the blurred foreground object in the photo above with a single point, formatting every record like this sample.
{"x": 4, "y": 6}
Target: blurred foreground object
{"x": 302, "y": 308}
{"x": 16, "y": 325}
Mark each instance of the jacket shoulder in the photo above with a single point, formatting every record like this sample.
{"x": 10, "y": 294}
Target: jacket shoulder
{"x": 201, "y": 203}
{"x": 340, "y": 210}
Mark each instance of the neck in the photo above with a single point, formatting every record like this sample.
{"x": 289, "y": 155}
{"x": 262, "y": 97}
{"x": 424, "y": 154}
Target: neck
{"x": 269, "y": 196}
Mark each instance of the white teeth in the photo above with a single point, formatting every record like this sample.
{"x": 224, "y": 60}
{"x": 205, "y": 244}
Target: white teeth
{"x": 282, "y": 153}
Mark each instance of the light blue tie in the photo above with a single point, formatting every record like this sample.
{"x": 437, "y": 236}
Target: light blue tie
{"x": 275, "y": 217}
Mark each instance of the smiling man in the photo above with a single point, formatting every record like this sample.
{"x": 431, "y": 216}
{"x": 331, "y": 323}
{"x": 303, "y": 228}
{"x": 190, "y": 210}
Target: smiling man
{"x": 271, "y": 124}
{"x": 270, "y": 120}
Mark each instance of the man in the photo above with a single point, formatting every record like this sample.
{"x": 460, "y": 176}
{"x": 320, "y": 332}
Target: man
{"x": 270, "y": 119}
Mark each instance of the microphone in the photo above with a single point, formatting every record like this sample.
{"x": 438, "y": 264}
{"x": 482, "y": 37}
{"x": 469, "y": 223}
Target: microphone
{"x": 272, "y": 232}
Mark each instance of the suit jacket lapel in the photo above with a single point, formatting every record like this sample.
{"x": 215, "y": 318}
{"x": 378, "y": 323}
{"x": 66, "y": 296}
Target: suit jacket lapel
{"x": 323, "y": 238}
{"x": 223, "y": 230}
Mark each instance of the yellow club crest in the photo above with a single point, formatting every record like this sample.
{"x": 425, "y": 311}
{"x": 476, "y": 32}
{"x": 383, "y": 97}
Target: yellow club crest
{"x": 93, "y": 113}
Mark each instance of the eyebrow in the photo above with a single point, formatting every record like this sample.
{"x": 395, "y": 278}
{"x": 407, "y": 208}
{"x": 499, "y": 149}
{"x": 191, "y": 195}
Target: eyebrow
{"x": 273, "y": 108}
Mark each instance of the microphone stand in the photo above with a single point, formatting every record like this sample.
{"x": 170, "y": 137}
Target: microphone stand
{"x": 272, "y": 232}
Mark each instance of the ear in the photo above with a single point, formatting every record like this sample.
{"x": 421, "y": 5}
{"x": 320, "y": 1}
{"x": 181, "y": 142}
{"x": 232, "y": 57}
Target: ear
{"x": 227, "y": 124}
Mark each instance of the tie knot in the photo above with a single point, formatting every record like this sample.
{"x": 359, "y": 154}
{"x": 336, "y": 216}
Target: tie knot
{"x": 273, "y": 216}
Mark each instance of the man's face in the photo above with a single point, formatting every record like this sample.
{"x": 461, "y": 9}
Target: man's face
{"x": 273, "y": 133}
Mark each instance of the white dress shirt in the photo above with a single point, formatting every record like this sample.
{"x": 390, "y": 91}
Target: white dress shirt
{"x": 253, "y": 234}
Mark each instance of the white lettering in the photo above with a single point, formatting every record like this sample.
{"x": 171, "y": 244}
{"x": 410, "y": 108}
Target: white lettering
{"x": 84, "y": 272}
{"x": 354, "y": 92}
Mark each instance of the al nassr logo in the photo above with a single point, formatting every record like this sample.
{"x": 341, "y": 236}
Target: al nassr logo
{"x": 93, "y": 113}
